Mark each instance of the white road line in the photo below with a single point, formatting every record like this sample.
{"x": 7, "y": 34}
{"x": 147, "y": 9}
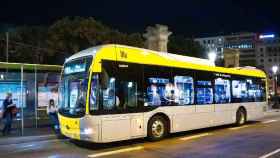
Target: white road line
{"x": 270, "y": 154}
{"x": 236, "y": 128}
{"x": 195, "y": 136}
{"x": 269, "y": 121}
{"x": 116, "y": 151}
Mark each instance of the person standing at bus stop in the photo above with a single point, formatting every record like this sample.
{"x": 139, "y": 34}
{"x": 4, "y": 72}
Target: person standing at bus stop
{"x": 8, "y": 107}
{"x": 52, "y": 112}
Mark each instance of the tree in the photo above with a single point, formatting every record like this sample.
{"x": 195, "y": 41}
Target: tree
{"x": 185, "y": 46}
{"x": 72, "y": 34}
{"x": 26, "y": 44}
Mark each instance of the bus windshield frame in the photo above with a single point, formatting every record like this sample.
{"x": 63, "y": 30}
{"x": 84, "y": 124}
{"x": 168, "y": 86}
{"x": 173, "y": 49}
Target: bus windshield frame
{"x": 73, "y": 87}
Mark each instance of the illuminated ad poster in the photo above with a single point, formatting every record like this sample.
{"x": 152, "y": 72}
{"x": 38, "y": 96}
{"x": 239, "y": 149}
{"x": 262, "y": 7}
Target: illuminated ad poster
{"x": 47, "y": 92}
{"x": 15, "y": 89}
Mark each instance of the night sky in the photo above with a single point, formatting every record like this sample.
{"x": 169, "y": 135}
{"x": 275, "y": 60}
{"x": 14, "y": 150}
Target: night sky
{"x": 191, "y": 18}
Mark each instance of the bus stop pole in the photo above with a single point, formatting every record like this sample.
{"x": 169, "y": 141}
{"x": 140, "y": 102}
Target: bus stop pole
{"x": 21, "y": 97}
{"x": 36, "y": 101}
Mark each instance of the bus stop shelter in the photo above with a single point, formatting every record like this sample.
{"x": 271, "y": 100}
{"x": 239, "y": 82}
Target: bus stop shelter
{"x": 32, "y": 86}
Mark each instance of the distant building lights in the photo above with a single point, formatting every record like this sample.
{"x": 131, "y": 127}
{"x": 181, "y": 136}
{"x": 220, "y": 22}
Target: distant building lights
{"x": 212, "y": 56}
{"x": 267, "y": 36}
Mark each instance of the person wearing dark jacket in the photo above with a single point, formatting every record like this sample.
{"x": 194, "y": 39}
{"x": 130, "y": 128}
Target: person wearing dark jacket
{"x": 8, "y": 114}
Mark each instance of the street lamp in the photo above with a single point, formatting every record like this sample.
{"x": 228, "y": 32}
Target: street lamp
{"x": 274, "y": 70}
{"x": 212, "y": 56}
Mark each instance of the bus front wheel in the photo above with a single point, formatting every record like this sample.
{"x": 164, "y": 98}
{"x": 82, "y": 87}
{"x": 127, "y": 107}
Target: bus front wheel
{"x": 157, "y": 128}
{"x": 241, "y": 117}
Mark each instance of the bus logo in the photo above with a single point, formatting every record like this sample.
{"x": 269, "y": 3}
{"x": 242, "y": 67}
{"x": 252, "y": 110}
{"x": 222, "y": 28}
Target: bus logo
{"x": 123, "y": 54}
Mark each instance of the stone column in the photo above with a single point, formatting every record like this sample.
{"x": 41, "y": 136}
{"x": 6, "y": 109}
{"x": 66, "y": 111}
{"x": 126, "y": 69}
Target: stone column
{"x": 231, "y": 57}
{"x": 157, "y": 37}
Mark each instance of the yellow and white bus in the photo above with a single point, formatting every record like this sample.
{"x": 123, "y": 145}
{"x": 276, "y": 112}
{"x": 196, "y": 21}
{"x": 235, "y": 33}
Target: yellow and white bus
{"x": 114, "y": 92}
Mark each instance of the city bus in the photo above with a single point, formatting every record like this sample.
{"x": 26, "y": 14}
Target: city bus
{"x": 114, "y": 92}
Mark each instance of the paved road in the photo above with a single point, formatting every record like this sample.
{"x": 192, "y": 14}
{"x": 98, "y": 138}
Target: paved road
{"x": 255, "y": 140}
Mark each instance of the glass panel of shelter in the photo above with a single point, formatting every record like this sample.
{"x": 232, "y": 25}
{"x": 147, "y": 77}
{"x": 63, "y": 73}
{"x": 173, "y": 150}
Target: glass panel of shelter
{"x": 27, "y": 94}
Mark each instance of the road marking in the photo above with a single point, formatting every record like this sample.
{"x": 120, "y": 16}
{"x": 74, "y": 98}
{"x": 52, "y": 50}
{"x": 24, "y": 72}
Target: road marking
{"x": 236, "y": 128}
{"x": 195, "y": 136}
{"x": 270, "y": 154}
{"x": 116, "y": 151}
{"x": 269, "y": 121}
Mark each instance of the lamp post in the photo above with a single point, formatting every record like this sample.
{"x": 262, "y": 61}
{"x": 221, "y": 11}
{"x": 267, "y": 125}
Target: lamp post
{"x": 7, "y": 46}
{"x": 274, "y": 70}
{"x": 212, "y": 56}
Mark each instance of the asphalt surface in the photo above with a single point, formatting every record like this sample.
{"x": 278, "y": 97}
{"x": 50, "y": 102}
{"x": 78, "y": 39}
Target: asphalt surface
{"x": 260, "y": 139}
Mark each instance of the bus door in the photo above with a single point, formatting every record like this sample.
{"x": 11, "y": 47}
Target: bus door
{"x": 115, "y": 123}
{"x": 129, "y": 89}
{"x": 120, "y": 100}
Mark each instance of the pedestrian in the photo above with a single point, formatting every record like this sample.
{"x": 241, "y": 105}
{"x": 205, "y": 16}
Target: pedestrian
{"x": 8, "y": 113}
{"x": 52, "y": 112}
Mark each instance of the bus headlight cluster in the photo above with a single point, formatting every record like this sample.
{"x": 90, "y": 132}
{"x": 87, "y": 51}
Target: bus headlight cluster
{"x": 87, "y": 131}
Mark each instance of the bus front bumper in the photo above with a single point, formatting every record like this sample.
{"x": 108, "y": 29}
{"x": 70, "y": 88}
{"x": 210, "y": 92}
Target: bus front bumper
{"x": 78, "y": 129}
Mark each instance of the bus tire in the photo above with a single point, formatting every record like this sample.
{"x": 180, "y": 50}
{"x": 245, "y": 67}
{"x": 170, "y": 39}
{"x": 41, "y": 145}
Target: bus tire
{"x": 157, "y": 128}
{"x": 241, "y": 117}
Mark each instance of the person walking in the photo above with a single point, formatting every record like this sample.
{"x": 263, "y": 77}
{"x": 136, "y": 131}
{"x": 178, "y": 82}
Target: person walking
{"x": 52, "y": 112}
{"x": 8, "y": 108}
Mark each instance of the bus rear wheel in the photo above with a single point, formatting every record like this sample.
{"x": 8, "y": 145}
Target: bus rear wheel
{"x": 241, "y": 117}
{"x": 157, "y": 128}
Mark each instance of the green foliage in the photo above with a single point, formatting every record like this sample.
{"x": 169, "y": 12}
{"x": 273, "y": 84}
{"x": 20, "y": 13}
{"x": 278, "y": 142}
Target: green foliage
{"x": 185, "y": 46}
{"x": 72, "y": 34}
{"x": 39, "y": 44}
{"x": 25, "y": 44}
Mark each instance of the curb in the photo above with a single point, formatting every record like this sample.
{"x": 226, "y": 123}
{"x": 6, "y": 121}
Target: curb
{"x": 26, "y": 139}
{"x": 272, "y": 112}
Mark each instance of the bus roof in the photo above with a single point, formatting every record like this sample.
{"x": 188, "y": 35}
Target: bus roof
{"x": 144, "y": 56}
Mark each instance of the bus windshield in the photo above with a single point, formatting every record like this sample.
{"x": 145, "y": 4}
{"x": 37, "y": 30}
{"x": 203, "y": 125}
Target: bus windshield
{"x": 73, "y": 88}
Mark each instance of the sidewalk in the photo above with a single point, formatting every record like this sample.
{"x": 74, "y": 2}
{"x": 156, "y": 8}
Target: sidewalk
{"x": 30, "y": 135}
{"x": 272, "y": 112}
{"x": 25, "y": 139}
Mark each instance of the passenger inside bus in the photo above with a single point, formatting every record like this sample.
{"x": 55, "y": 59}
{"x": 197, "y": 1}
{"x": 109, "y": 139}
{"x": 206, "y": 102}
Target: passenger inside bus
{"x": 155, "y": 96}
{"x": 112, "y": 100}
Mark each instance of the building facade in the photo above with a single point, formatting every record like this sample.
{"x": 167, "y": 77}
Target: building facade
{"x": 268, "y": 53}
{"x": 212, "y": 44}
{"x": 245, "y": 43}
{"x": 262, "y": 51}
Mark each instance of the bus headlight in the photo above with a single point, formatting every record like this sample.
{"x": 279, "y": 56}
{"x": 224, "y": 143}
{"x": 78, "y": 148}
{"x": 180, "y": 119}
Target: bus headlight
{"x": 87, "y": 131}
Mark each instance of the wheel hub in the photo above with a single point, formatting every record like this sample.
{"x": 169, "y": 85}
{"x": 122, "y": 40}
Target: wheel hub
{"x": 158, "y": 128}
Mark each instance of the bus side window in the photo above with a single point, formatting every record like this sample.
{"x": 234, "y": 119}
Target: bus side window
{"x": 256, "y": 90}
{"x": 184, "y": 90}
{"x": 108, "y": 83}
{"x": 204, "y": 92}
{"x": 94, "y": 93}
{"x": 239, "y": 91}
{"x": 109, "y": 99}
{"x": 159, "y": 86}
{"x": 222, "y": 91}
